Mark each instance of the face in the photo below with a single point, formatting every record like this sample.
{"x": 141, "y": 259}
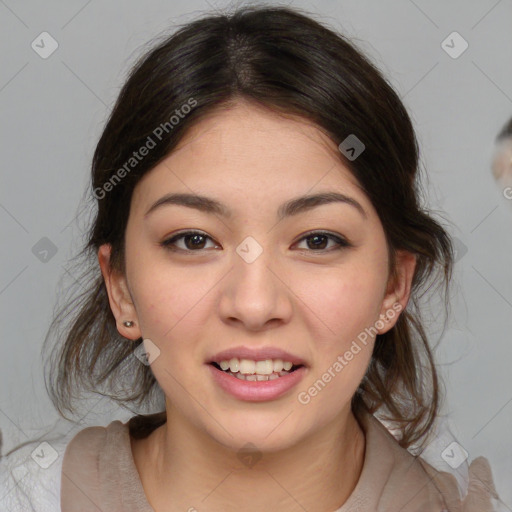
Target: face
{"x": 307, "y": 279}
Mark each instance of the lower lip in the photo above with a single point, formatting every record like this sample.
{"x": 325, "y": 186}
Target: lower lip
{"x": 257, "y": 391}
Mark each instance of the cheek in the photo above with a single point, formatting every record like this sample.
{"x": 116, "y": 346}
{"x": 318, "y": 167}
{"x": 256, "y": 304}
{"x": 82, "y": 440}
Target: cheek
{"x": 169, "y": 301}
{"x": 340, "y": 315}
{"x": 172, "y": 308}
{"x": 341, "y": 307}
{"x": 342, "y": 303}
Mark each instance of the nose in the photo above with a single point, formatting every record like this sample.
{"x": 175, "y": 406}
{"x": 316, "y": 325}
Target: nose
{"x": 255, "y": 294}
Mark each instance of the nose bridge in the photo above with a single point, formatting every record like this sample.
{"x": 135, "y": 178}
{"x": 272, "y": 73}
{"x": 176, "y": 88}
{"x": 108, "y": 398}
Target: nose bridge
{"x": 255, "y": 294}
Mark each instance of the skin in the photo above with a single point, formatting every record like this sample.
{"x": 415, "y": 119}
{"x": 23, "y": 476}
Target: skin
{"x": 502, "y": 163}
{"x": 311, "y": 302}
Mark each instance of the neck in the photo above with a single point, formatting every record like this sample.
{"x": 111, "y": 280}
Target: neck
{"x": 182, "y": 468}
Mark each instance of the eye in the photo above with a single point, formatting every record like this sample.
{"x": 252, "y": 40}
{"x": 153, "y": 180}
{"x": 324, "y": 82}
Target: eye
{"x": 193, "y": 240}
{"x": 321, "y": 238}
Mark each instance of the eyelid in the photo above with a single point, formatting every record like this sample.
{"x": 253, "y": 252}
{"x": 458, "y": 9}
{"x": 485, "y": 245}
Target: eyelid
{"x": 167, "y": 243}
{"x": 340, "y": 240}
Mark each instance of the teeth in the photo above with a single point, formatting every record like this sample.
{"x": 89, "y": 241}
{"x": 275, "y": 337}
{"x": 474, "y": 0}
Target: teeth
{"x": 264, "y": 367}
{"x": 247, "y": 366}
{"x": 260, "y": 368}
{"x": 256, "y": 377}
{"x": 278, "y": 365}
{"x": 233, "y": 364}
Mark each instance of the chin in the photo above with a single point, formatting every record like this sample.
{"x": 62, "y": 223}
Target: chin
{"x": 267, "y": 436}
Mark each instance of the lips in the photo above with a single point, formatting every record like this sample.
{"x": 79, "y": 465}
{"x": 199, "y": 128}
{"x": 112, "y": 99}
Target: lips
{"x": 260, "y": 384}
{"x": 259, "y": 391}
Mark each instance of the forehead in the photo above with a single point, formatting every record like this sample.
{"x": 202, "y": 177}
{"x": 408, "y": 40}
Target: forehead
{"x": 245, "y": 151}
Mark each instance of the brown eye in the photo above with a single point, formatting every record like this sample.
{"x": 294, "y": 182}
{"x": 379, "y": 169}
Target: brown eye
{"x": 192, "y": 241}
{"x": 317, "y": 241}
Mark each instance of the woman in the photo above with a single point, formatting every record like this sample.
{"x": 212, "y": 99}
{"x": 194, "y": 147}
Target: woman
{"x": 261, "y": 252}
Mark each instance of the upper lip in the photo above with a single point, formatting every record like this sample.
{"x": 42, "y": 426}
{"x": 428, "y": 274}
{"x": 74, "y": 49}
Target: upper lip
{"x": 256, "y": 354}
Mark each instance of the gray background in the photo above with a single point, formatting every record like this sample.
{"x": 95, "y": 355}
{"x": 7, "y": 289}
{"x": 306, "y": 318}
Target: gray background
{"x": 53, "y": 110}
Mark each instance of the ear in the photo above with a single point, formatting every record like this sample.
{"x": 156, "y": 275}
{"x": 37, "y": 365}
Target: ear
{"x": 119, "y": 296}
{"x": 398, "y": 290}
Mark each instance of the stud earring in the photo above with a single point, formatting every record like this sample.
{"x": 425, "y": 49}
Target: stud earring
{"x": 128, "y": 323}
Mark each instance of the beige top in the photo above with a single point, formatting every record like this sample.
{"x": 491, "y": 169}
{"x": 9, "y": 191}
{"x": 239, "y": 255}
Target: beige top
{"x": 99, "y": 474}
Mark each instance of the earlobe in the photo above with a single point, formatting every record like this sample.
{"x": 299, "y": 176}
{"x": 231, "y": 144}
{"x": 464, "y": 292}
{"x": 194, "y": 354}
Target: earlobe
{"x": 398, "y": 290}
{"x": 119, "y": 297}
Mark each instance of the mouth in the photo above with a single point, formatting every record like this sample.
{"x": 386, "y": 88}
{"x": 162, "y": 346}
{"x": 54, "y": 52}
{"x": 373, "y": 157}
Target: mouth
{"x": 256, "y": 371}
{"x": 260, "y": 379}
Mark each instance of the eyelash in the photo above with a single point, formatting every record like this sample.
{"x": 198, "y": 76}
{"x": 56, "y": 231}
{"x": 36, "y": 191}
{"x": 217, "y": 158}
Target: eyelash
{"x": 342, "y": 243}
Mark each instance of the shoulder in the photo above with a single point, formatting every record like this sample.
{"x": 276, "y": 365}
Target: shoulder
{"x": 92, "y": 463}
{"x": 480, "y": 494}
{"x": 91, "y": 449}
{"x": 82, "y": 455}
{"x": 393, "y": 478}
{"x": 31, "y": 474}
{"x": 408, "y": 483}
{"x": 87, "y": 441}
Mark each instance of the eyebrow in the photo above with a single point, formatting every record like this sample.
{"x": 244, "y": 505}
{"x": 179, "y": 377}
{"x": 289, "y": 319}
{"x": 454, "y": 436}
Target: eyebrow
{"x": 290, "y": 208}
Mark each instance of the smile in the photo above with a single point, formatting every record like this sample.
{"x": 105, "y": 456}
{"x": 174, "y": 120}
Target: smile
{"x": 247, "y": 369}
{"x": 251, "y": 380}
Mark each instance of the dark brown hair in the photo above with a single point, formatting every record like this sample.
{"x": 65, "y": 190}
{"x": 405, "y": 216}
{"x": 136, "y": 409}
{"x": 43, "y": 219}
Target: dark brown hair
{"x": 283, "y": 60}
{"x": 506, "y": 131}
